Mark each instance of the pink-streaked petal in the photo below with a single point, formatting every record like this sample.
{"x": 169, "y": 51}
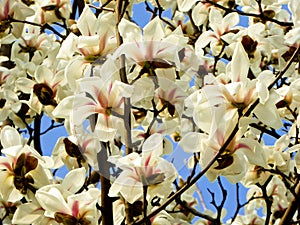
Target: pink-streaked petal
{"x": 83, "y": 108}
{"x": 75, "y": 209}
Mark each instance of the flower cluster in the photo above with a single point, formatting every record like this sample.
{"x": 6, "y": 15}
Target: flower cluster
{"x": 134, "y": 101}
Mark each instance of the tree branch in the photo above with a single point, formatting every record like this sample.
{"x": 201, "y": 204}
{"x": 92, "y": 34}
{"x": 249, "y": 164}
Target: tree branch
{"x": 268, "y": 199}
{"x": 106, "y": 201}
{"x": 37, "y": 134}
{"x": 119, "y": 11}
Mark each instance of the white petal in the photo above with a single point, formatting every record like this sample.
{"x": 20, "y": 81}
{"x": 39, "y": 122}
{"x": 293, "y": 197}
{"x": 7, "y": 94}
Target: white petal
{"x": 199, "y": 14}
{"x": 204, "y": 39}
{"x": 10, "y": 137}
{"x": 125, "y": 90}
{"x": 83, "y": 108}
{"x": 185, "y": 5}
{"x": 68, "y": 47}
{"x": 215, "y": 17}
{"x": 254, "y": 152}
{"x": 268, "y": 113}
{"x": 154, "y": 30}
{"x": 27, "y": 213}
{"x": 192, "y": 142}
{"x": 24, "y": 84}
{"x": 129, "y": 31}
{"x": 43, "y": 74}
{"x": 64, "y": 108}
{"x": 52, "y": 200}
{"x": 240, "y": 64}
{"x": 264, "y": 79}
{"x": 231, "y": 20}
{"x": 74, "y": 180}
{"x": 143, "y": 89}
{"x": 86, "y": 22}
{"x": 153, "y": 145}
{"x": 88, "y": 41}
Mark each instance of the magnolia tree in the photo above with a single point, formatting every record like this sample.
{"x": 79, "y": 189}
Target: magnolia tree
{"x": 133, "y": 100}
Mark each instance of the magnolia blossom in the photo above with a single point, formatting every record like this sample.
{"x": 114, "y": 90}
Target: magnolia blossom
{"x": 32, "y": 213}
{"x": 221, "y": 30}
{"x": 93, "y": 46}
{"x": 22, "y": 168}
{"x": 33, "y": 46}
{"x": 138, "y": 171}
{"x": 58, "y": 203}
{"x": 76, "y": 151}
{"x": 147, "y": 50}
{"x": 78, "y": 208}
{"x": 170, "y": 97}
{"x": 104, "y": 99}
{"x": 43, "y": 90}
{"x": 231, "y": 161}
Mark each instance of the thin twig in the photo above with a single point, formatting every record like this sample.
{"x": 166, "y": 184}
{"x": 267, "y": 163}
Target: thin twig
{"x": 224, "y": 195}
{"x": 195, "y": 212}
{"x": 268, "y": 199}
{"x": 43, "y": 27}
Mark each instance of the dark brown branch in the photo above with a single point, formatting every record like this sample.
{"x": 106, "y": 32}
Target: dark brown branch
{"x": 145, "y": 205}
{"x": 268, "y": 199}
{"x": 43, "y": 27}
{"x": 37, "y": 133}
{"x": 74, "y": 9}
{"x": 120, "y": 9}
{"x": 265, "y": 130}
{"x": 195, "y": 212}
{"x": 106, "y": 201}
{"x": 224, "y": 195}
{"x": 239, "y": 205}
{"x": 80, "y": 6}
{"x": 295, "y": 115}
